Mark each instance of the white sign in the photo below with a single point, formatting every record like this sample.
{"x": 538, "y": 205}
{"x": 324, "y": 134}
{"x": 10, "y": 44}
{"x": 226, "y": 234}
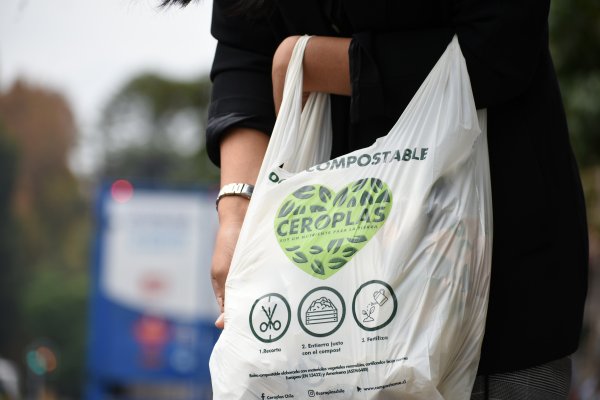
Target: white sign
{"x": 157, "y": 251}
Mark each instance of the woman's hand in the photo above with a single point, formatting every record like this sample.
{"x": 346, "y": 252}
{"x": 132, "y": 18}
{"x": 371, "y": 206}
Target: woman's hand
{"x": 242, "y": 151}
{"x": 326, "y": 66}
{"x": 232, "y": 210}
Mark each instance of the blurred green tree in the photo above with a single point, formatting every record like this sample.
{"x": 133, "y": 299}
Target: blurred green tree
{"x": 153, "y": 131}
{"x": 11, "y": 278}
{"x": 51, "y": 230}
{"x": 575, "y": 45}
{"x": 56, "y": 307}
{"x": 575, "y": 41}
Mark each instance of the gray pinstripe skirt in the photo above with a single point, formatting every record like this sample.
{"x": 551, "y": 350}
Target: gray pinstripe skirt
{"x": 549, "y": 381}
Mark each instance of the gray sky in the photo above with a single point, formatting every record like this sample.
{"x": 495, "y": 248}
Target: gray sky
{"x": 86, "y": 49}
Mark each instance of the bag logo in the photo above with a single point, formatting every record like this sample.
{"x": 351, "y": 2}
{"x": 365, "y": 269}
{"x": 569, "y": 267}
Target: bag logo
{"x": 320, "y": 230}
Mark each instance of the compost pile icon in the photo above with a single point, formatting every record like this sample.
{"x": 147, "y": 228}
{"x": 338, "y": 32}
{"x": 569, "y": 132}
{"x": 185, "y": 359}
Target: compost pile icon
{"x": 321, "y": 311}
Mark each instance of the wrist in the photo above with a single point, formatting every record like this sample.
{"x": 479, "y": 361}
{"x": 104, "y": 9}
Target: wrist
{"x": 232, "y": 209}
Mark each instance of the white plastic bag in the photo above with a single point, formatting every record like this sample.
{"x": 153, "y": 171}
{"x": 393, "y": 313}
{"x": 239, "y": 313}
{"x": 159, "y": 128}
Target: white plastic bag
{"x": 366, "y": 276}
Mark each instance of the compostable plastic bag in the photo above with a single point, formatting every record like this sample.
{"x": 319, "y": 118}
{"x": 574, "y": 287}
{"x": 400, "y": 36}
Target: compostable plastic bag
{"x": 365, "y": 276}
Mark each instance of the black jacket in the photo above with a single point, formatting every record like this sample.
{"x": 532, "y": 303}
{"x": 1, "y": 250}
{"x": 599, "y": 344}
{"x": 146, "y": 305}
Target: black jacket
{"x": 539, "y": 265}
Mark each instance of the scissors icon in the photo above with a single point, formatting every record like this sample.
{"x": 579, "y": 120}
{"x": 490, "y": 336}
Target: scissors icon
{"x": 270, "y": 324}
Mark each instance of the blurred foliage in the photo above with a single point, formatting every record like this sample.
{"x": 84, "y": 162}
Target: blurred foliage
{"x": 591, "y": 184}
{"x": 575, "y": 44}
{"x": 47, "y": 231}
{"x": 56, "y": 306}
{"x": 10, "y": 275}
{"x": 144, "y": 128}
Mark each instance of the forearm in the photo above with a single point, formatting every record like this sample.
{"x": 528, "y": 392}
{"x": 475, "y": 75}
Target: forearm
{"x": 325, "y": 66}
{"x": 242, "y": 152}
{"x": 242, "y": 149}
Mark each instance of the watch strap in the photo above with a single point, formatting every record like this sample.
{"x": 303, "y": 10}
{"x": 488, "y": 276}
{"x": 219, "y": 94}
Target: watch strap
{"x": 235, "y": 189}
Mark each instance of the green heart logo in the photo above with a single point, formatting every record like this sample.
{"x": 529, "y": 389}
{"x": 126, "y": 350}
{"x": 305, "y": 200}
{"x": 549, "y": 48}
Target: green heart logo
{"x": 320, "y": 230}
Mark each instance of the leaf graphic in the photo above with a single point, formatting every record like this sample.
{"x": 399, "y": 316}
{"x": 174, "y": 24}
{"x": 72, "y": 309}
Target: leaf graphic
{"x": 315, "y": 249}
{"x": 335, "y": 245}
{"x": 305, "y": 192}
{"x": 351, "y": 202}
{"x": 366, "y": 198}
{"x": 359, "y": 184}
{"x": 340, "y": 198}
{"x": 376, "y": 185}
{"x": 286, "y": 208}
{"x": 349, "y": 251}
{"x": 337, "y": 262}
{"x": 384, "y": 197}
{"x": 300, "y": 257}
{"x": 300, "y": 210}
{"x": 324, "y": 194}
{"x": 357, "y": 239}
{"x": 317, "y": 266}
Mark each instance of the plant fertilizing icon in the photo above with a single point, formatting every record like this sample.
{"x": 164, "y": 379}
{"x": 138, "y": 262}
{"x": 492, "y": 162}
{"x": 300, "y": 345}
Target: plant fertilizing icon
{"x": 270, "y": 324}
{"x": 374, "y": 305}
{"x": 380, "y": 299}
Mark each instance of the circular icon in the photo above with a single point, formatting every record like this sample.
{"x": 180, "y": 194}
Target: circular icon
{"x": 374, "y": 305}
{"x": 270, "y": 317}
{"x": 321, "y": 311}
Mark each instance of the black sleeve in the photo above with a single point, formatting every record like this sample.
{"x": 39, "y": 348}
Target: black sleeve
{"x": 242, "y": 92}
{"x": 501, "y": 40}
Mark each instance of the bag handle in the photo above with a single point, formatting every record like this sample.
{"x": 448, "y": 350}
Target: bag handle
{"x": 445, "y": 91}
{"x": 301, "y": 137}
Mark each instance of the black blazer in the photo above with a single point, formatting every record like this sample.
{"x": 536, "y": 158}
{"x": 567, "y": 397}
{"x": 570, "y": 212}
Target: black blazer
{"x": 540, "y": 251}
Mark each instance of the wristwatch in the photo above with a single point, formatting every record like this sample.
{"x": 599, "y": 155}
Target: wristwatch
{"x": 235, "y": 189}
